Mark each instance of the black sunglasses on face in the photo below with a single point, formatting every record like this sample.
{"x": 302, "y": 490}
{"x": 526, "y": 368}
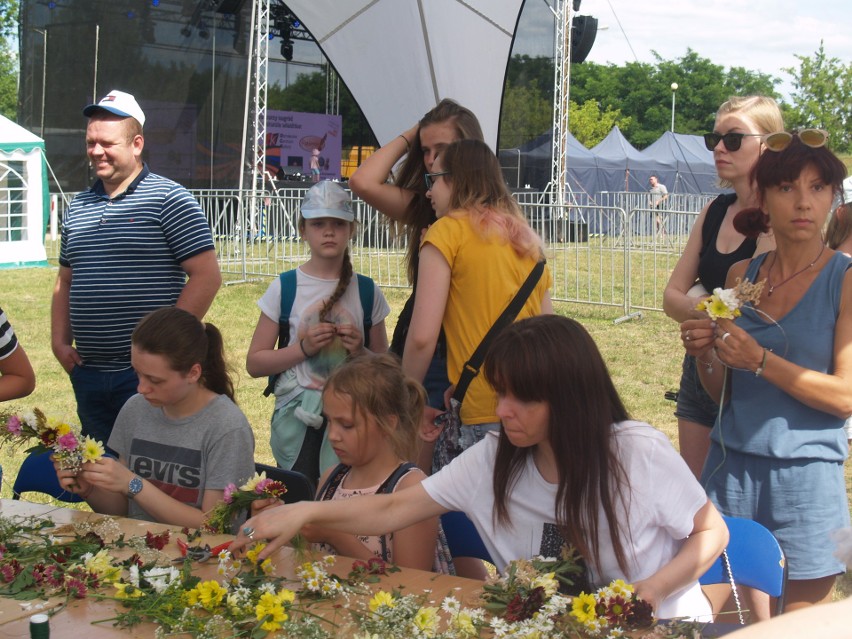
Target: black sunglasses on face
{"x": 733, "y": 141}
{"x": 430, "y": 178}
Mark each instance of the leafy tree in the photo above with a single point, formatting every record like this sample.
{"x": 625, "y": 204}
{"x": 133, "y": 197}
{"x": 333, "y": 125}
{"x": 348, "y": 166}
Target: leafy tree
{"x": 823, "y": 97}
{"x": 590, "y": 125}
{"x": 8, "y": 58}
{"x": 8, "y": 81}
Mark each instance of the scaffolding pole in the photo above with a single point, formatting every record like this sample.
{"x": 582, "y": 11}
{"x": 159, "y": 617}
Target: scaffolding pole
{"x": 561, "y": 73}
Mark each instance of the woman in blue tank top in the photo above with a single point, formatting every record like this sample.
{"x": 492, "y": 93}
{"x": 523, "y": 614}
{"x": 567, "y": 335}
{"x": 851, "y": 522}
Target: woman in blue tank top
{"x": 784, "y": 371}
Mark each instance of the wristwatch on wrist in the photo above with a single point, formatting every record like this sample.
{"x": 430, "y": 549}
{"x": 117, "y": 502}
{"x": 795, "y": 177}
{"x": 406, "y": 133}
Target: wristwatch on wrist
{"x": 134, "y": 487}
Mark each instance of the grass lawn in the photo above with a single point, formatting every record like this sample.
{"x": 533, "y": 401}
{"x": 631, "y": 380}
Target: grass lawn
{"x": 643, "y": 355}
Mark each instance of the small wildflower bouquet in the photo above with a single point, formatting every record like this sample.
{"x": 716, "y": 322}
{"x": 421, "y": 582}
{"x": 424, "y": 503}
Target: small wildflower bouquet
{"x": 528, "y": 584}
{"x": 238, "y": 500}
{"x": 726, "y": 303}
{"x": 611, "y": 611}
{"x": 64, "y": 440}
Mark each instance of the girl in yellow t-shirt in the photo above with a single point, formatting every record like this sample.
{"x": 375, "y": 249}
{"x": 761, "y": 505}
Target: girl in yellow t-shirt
{"x": 473, "y": 260}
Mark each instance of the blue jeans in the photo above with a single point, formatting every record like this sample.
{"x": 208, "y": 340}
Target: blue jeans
{"x": 436, "y": 381}
{"x": 100, "y": 396}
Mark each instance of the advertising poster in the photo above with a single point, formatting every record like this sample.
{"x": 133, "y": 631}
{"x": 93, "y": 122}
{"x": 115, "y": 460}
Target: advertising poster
{"x": 303, "y": 146}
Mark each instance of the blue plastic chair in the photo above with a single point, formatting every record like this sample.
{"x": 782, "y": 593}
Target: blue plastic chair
{"x": 754, "y": 559}
{"x": 37, "y": 475}
{"x": 299, "y": 486}
{"x": 462, "y": 537}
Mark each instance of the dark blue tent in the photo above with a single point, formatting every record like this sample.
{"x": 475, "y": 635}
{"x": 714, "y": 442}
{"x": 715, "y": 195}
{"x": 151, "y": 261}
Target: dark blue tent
{"x": 627, "y": 169}
{"x": 531, "y": 165}
{"x": 694, "y": 169}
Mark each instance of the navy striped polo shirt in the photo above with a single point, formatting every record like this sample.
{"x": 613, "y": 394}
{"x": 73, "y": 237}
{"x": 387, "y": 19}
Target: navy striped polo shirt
{"x": 125, "y": 255}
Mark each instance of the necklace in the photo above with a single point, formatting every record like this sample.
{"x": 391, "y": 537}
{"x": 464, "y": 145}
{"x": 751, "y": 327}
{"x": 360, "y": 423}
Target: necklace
{"x": 772, "y": 286}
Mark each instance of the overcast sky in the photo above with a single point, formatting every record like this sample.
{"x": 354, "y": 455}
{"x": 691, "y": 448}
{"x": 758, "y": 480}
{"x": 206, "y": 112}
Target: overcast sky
{"x": 760, "y": 35}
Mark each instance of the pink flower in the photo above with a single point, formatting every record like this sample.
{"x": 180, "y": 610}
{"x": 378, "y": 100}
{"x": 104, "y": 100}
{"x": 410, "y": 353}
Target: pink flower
{"x": 9, "y": 570}
{"x": 262, "y": 485}
{"x": 13, "y": 425}
{"x": 75, "y": 588}
{"x": 54, "y": 576}
{"x": 68, "y": 442}
{"x": 230, "y": 489}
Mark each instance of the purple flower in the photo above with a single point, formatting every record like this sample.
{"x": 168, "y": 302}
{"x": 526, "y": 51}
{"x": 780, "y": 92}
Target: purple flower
{"x": 230, "y": 489}
{"x": 68, "y": 442}
{"x": 13, "y": 425}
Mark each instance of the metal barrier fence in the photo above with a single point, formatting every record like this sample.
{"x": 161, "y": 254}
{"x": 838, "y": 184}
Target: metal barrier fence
{"x": 615, "y": 251}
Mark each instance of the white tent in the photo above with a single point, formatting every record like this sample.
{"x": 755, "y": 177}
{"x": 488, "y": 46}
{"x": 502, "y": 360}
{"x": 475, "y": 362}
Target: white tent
{"x": 23, "y": 197}
{"x": 399, "y": 58}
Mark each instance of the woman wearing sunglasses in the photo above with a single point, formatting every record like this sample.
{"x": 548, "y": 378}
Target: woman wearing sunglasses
{"x": 713, "y": 247}
{"x": 783, "y": 369}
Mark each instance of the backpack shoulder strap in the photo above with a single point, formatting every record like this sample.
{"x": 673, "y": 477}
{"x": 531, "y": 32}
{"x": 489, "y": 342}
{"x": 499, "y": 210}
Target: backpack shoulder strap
{"x": 387, "y": 487}
{"x": 367, "y": 293}
{"x": 288, "y": 297}
{"x": 330, "y": 486}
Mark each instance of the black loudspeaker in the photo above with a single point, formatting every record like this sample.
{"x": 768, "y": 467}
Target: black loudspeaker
{"x": 584, "y": 29}
{"x": 229, "y": 6}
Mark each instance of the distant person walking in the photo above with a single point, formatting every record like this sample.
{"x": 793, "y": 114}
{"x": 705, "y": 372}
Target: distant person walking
{"x": 133, "y": 243}
{"x": 658, "y": 193}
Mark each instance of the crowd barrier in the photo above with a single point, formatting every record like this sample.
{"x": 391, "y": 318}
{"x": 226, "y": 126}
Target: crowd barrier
{"x": 613, "y": 250}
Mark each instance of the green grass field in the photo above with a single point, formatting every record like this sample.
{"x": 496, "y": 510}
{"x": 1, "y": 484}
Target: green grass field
{"x": 643, "y": 355}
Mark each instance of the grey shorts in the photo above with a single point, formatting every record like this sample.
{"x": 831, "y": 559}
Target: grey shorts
{"x": 693, "y": 402}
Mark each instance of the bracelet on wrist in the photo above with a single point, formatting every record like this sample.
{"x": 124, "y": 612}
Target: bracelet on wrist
{"x": 302, "y": 346}
{"x": 759, "y": 371}
{"x": 407, "y": 143}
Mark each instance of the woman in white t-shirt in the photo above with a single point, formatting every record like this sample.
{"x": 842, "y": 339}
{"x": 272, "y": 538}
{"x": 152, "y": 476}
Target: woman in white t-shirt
{"x": 568, "y": 467}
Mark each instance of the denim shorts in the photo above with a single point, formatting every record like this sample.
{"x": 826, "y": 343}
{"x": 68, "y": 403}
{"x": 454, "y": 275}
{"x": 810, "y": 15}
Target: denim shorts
{"x": 693, "y": 402}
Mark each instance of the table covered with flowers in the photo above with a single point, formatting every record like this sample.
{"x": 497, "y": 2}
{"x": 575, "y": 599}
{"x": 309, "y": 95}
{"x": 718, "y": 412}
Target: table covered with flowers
{"x": 100, "y": 576}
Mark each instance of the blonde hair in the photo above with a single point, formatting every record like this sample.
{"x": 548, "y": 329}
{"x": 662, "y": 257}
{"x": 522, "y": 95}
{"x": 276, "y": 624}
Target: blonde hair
{"x": 379, "y": 389}
{"x": 763, "y": 112}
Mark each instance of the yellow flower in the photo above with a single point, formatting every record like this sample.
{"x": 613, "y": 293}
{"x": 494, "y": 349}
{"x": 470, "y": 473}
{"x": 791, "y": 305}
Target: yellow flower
{"x": 101, "y": 565}
{"x": 252, "y": 554}
{"x": 208, "y": 593}
{"x": 270, "y": 609}
{"x": 252, "y": 483}
{"x": 463, "y": 623}
{"x": 583, "y": 608}
{"x": 548, "y": 582}
{"x": 127, "y": 591}
{"x": 93, "y": 450}
{"x": 426, "y": 620}
{"x": 622, "y": 588}
{"x": 380, "y": 599}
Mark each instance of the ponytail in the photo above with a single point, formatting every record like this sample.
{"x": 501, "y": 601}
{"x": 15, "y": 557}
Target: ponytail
{"x": 184, "y": 341}
{"x": 215, "y": 372}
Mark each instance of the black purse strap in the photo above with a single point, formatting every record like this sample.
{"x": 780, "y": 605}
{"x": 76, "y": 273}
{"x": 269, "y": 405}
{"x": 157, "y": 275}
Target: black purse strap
{"x": 471, "y": 367}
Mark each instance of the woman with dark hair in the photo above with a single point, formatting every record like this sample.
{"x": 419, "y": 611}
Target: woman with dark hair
{"x": 182, "y": 439}
{"x": 473, "y": 260}
{"x": 569, "y": 467}
{"x": 404, "y": 201}
{"x": 782, "y": 371}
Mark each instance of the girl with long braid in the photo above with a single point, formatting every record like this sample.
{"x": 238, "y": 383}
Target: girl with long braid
{"x": 324, "y": 319}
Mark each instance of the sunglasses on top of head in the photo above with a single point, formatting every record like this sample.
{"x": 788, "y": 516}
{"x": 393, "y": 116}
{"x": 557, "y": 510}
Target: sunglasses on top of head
{"x": 780, "y": 140}
{"x": 430, "y": 178}
{"x": 733, "y": 141}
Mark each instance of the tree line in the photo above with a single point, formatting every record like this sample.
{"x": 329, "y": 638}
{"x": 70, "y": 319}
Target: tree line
{"x": 635, "y": 96}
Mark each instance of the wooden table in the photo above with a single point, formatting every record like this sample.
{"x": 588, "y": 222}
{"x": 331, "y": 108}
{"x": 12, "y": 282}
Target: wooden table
{"x": 77, "y": 617}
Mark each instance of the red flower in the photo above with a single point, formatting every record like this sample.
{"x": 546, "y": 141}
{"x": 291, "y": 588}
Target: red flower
{"x": 76, "y": 588}
{"x": 156, "y": 542}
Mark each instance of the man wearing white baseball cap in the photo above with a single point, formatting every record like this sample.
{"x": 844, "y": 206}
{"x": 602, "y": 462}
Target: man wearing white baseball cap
{"x": 132, "y": 243}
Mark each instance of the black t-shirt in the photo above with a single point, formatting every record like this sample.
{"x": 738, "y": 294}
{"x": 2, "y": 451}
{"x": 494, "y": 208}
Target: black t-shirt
{"x": 713, "y": 266}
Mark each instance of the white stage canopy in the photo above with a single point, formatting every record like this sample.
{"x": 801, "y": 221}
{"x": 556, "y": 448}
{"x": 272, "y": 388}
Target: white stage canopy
{"x": 400, "y": 57}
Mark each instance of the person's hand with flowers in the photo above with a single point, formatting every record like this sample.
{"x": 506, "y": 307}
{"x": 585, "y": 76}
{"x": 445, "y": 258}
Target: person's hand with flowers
{"x": 104, "y": 481}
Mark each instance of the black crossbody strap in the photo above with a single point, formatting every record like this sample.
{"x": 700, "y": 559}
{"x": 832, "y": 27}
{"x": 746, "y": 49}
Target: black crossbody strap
{"x": 471, "y": 367}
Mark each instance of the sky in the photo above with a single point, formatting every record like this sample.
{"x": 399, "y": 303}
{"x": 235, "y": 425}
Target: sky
{"x": 760, "y": 35}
